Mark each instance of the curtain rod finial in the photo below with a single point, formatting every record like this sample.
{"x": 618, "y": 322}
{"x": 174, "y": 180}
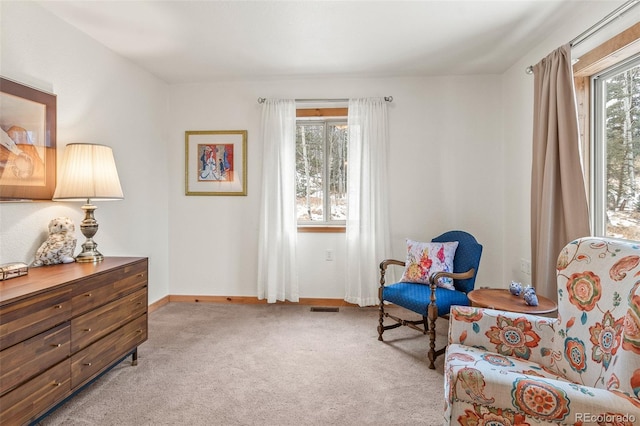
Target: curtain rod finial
{"x": 529, "y": 70}
{"x": 261, "y": 100}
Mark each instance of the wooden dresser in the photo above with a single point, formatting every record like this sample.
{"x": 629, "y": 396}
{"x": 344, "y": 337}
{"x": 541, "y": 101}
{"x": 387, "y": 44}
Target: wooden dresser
{"x": 61, "y": 326}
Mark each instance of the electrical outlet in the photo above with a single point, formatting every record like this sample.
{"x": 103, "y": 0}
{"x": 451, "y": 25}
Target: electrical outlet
{"x": 525, "y": 266}
{"x": 328, "y": 256}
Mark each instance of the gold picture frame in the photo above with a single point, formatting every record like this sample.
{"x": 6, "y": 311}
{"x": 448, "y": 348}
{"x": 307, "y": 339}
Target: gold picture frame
{"x": 28, "y": 142}
{"x": 215, "y": 162}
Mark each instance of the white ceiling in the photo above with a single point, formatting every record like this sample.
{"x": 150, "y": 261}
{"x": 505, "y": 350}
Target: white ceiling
{"x": 197, "y": 41}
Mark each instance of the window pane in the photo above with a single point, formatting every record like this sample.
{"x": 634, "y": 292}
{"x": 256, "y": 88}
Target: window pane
{"x": 309, "y": 171}
{"x": 337, "y": 138}
{"x": 621, "y": 94}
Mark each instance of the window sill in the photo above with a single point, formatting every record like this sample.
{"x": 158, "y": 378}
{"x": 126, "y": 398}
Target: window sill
{"x": 322, "y": 229}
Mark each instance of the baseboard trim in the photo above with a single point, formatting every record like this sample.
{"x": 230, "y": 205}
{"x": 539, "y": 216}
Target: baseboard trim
{"x": 247, "y": 300}
{"x": 158, "y": 304}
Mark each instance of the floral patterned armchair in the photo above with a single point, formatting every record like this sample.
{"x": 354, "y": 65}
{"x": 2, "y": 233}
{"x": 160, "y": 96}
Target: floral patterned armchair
{"x": 582, "y": 368}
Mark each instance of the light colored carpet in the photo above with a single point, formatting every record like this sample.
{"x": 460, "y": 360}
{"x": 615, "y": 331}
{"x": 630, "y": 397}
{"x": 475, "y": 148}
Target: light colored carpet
{"x": 219, "y": 364}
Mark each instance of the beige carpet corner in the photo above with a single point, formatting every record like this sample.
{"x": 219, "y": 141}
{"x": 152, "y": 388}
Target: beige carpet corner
{"x": 222, "y": 364}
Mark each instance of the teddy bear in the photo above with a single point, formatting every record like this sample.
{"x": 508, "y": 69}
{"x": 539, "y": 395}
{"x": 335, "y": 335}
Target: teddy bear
{"x": 59, "y": 246}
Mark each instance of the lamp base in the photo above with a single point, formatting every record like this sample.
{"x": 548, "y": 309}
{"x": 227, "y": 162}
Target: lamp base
{"x": 89, "y": 227}
{"x": 89, "y": 256}
{"x": 89, "y": 259}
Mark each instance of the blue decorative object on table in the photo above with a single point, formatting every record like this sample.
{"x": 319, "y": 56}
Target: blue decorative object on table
{"x": 530, "y": 297}
{"x": 515, "y": 288}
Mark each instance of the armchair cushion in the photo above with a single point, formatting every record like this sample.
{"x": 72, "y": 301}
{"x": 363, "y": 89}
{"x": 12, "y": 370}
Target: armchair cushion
{"x": 424, "y": 259}
{"x": 416, "y": 297}
{"x": 522, "y": 336}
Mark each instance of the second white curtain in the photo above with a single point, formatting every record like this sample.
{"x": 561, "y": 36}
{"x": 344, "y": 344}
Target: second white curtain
{"x": 368, "y": 241}
{"x": 277, "y": 277}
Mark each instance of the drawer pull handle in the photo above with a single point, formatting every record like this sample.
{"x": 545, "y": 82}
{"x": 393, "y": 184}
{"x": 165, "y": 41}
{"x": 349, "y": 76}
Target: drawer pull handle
{"x": 87, "y": 329}
{"x": 88, "y": 295}
{"x": 140, "y": 275}
{"x": 139, "y": 331}
{"x": 56, "y": 345}
{"x": 57, "y": 307}
{"x": 88, "y": 364}
{"x": 56, "y": 384}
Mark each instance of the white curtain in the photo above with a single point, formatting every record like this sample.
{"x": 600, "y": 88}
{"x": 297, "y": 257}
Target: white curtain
{"x": 277, "y": 278}
{"x": 368, "y": 241}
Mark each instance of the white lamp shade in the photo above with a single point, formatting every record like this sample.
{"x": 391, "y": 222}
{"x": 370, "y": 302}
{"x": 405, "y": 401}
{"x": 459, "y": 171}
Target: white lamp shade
{"x": 88, "y": 172}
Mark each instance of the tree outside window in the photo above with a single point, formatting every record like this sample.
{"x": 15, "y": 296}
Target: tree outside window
{"x": 617, "y": 150}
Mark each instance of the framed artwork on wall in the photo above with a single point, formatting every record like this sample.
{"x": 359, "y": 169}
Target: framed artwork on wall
{"x": 27, "y": 142}
{"x": 215, "y": 162}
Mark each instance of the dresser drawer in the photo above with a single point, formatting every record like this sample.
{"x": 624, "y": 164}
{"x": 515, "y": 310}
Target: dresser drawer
{"x": 26, "y": 402}
{"x": 26, "y": 359}
{"x": 111, "y": 285}
{"x": 92, "y": 360}
{"x": 28, "y": 317}
{"x": 93, "y": 325}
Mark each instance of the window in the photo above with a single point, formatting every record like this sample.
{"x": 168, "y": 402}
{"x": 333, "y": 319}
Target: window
{"x": 616, "y": 151}
{"x": 321, "y": 171}
{"x": 607, "y": 82}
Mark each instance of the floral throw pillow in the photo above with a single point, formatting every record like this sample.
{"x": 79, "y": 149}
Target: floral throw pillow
{"x": 424, "y": 259}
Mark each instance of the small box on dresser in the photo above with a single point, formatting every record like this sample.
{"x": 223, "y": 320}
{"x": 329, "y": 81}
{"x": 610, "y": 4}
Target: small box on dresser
{"x": 61, "y": 326}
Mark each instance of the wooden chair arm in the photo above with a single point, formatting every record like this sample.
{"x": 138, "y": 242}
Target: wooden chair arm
{"x": 386, "y": 263}
{"x": 433, "y": 279}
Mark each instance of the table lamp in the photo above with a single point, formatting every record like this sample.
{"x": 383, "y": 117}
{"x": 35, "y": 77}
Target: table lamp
{"x": 88, "y": 173}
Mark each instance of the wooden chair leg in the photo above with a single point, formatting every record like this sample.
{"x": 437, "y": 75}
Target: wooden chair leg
{"x": 433, "y": 315}
{"x": 381, "y": 321}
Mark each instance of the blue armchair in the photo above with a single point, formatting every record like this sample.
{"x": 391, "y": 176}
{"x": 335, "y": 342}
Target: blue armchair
{"x": 430, "y": 300}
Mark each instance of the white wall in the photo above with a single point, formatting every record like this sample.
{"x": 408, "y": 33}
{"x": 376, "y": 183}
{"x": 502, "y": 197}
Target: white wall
{"x": 101, "y": 98}
{"x": 445, "y": 163}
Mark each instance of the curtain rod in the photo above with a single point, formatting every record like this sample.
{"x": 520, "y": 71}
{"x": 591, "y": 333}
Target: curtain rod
{"x": 386, "y": 98}
{"x": 597, "y": 26}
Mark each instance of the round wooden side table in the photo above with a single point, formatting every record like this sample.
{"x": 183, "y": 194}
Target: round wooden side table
{"x": 501, "y": 299}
